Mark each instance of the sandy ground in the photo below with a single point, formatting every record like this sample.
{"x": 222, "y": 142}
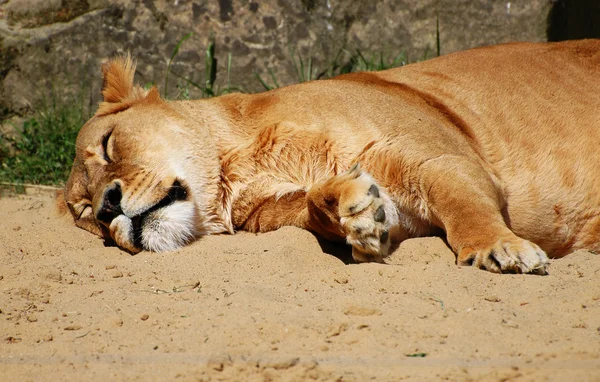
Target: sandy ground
{"x": 280, "y": 306}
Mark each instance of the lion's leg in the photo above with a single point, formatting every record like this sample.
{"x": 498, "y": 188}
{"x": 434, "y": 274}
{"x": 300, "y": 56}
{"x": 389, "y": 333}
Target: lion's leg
{"x": 352, "y": 206}
{"x": 467, "y": 204}
{"x": 347, "y": 207}
{"x": 266, "y": 204}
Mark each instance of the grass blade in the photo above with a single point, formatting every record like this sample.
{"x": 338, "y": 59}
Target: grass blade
{"x": 175, "y": 51}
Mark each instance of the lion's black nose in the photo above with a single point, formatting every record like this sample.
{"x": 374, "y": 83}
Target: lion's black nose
{"x": 111, "y": 203}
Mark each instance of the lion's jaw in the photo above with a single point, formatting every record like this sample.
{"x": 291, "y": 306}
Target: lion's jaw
{"x": 163, "y": 229}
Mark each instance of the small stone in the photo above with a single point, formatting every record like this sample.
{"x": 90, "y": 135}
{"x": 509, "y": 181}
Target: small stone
{"x": 341, "y": 279}
{"x": 73, "y": 327}
{"x": 12, "y": 340}
{"x": 32, "y": 318}
{"x": 46, "y": 338}
{"x": 360, "y": 311}
{"x": 144, "y": 317}
{"x": 492, "y": 298}
{"x": 117, "y": 274}
{"x": 336, "y": 330}
{"x": 54, "y": 276}
{"x": 281, "y": 364}
{"x": 218, "y": 363}
{"x": 109, "y": 267}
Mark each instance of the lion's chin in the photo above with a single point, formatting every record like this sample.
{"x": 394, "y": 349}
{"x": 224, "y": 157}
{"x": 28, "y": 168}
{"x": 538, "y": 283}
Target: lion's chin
{"x": 166, "y": 229}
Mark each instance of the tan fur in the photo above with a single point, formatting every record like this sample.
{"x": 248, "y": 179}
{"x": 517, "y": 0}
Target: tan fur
{"x": 497, "y": 147}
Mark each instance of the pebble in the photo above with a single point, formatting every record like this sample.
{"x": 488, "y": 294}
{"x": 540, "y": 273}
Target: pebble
{"x": 54, "y": 276}
{"x": 336, "y": 330}
{"x": 341, "y": 279}
{"x": 360, "y": 311}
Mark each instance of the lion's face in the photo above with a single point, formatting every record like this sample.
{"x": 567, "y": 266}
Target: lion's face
{"x": 141, "y": 175}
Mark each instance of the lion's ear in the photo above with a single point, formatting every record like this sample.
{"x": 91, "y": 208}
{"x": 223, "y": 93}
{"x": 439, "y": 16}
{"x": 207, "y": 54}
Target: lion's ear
{"x": 117, "y": 76}
{"x": 118, "y": 89}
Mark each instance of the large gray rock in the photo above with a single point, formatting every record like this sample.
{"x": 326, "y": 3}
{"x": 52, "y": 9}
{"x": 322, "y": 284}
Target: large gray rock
{"x": 60, "y": 44}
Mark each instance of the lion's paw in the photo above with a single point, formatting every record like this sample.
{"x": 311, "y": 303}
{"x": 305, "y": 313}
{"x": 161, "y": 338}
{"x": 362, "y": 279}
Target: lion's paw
{"x": 512, "y": 255}
{"x": 366, "y": 214}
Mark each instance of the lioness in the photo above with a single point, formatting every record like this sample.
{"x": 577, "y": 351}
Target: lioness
{"x": 498, "y": 148}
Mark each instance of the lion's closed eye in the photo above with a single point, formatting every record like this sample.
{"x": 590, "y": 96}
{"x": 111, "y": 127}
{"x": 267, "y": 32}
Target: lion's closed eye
{"x": 108, "y": 147}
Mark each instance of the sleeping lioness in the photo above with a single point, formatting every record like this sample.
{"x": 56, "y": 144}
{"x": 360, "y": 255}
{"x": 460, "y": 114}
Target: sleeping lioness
{"x": 496, "y": 148}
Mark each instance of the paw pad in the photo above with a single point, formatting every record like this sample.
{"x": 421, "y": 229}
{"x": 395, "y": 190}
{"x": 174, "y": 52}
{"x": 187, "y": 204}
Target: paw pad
{"x": 366, "y": 222}
{"x": 379, "y": 215}
{"x": 374, "y": 190}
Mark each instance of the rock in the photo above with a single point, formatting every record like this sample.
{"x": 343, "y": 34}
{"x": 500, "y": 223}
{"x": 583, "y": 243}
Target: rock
{"x": 36, "y": 13}
{"x": 63, "y": 42}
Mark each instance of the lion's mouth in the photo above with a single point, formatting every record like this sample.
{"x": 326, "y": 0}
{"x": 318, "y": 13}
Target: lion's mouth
{"x": 177, "y": 193}
{"x": 164, "y": 226}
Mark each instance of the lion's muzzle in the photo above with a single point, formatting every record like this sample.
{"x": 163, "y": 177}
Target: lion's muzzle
{"x": 165, "y": 225}
{"x": 111, "y": 203}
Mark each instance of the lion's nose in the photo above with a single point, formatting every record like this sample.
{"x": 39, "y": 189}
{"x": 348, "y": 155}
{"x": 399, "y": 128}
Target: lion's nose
{"x": 111, "y": 203}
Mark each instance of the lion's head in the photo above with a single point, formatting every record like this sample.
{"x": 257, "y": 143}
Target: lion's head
{"x": 145, "y": 174}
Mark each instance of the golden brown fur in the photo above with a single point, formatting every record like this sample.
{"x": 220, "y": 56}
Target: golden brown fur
{"x": 497, "y": 147}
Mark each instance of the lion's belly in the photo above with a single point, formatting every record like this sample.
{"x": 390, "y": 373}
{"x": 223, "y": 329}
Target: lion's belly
{"x": 553, "y": 200}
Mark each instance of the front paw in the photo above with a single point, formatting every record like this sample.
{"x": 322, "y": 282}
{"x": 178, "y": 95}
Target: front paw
{"x": 508, "y": 255}
{"x": 366, "y": 214}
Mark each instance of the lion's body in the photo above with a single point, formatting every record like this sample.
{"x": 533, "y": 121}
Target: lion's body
{"x": 477, "y": 144}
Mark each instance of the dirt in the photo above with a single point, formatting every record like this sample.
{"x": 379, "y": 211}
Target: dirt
{"x": 280, "y": 306}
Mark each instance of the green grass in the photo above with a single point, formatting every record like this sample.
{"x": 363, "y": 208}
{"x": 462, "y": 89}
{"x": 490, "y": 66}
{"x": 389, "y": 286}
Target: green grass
{"x": 46, "y": 148}
{"x": 209, "y": 88}
{"x": 344, "y": 62}
{"x": 175, "y": 51}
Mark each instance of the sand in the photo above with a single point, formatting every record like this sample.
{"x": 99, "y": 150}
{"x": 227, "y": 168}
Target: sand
{"x": 280, "y": 306}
